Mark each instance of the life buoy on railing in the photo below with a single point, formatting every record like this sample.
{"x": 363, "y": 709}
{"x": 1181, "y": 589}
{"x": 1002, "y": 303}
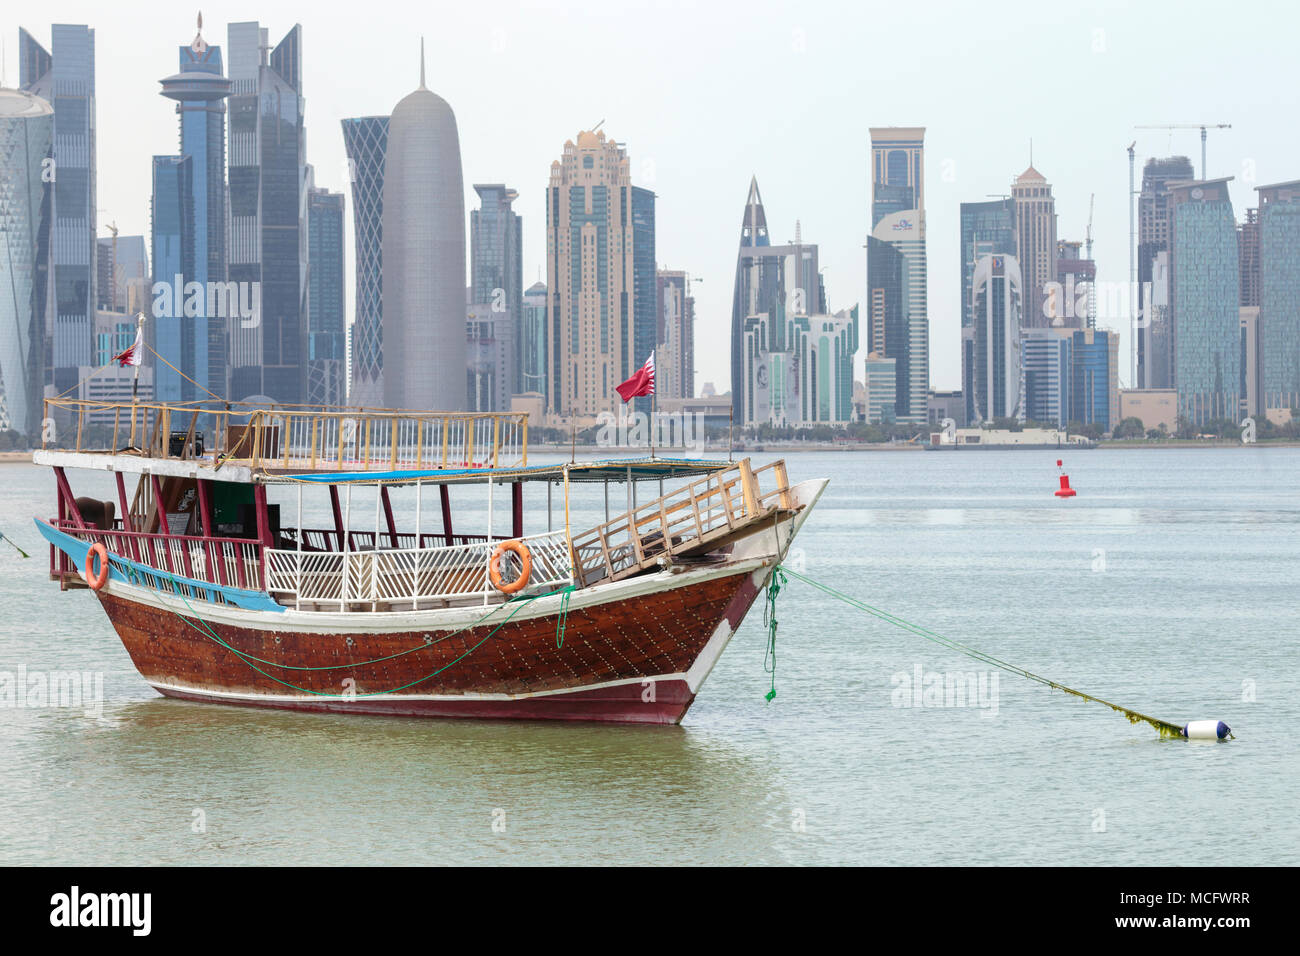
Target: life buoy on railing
{"x": 520, "y": 549}
{"x": 96, "y": 579}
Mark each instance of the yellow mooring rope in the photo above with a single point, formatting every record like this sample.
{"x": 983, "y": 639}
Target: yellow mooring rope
{"x": 1165, "y": 728}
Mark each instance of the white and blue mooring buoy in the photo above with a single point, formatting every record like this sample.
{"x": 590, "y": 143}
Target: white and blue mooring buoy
{"x": 1207, "y": 730}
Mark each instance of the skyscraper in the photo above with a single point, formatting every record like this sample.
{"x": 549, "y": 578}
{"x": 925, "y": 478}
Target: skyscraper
{"x": 595, "y": 219}
{"x": 196, "y": 344}
{"x": 366, "y": 140}
{"x": 675, "y": 336}
{"x": 268, "y": 210}
{"x": 1047, "y": 363}
{"x": 26, "y": 137}
{"x": 326, "y": 290}
{"x": 1072, "y": 299}
{"x": 897, "y": 297}
{"x": 1204, "y": 295}
{"x": 987, "y": 229}
{"x": 998, "y": 293}
{"x": 799, "y": 368}
{"x": 497, "y": 273}
{"x": 1279, "y": 295}
{"x": 1094, "y": 378}
{"x": 532, "y": 356}
{"x": 66, "y": 80}
{"x": 425, "y": 356}
{"x": 767, "y": 276}
{"x": 1035, "y": 241}
{"x": 1154, "y": 336}
{"x": 123, "y": 265}
{"x": 1248, "y": 257}
{"x": 174, "y": 332}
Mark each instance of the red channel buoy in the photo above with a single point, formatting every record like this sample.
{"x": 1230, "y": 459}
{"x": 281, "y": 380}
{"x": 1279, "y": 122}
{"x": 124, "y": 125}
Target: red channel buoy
{"x": 1065, "y": 491}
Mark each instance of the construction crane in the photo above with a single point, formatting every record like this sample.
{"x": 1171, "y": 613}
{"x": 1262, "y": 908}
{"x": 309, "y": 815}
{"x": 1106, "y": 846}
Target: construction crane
{"x": 1202, "y": 127}
{"x": 1092, "y": 202}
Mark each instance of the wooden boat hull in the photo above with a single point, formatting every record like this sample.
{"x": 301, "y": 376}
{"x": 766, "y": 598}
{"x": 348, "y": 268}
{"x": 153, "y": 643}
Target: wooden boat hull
{"x": 636, "y": 656}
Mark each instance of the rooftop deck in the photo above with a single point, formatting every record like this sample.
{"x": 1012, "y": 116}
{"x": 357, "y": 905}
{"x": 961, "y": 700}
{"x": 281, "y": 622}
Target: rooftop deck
{"x": 245, "y": 441}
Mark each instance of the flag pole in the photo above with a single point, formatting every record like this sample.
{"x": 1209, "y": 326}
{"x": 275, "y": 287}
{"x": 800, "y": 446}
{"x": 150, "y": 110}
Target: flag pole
{"x": 139, "y": 341}
{"x": 654, "y": 395}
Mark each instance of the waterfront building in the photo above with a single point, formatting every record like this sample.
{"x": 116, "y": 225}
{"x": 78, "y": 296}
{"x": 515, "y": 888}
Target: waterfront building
{"x": 600, "y": 276}
{"x": 64, "y": 77}
{"x": 326, "y": 292}
{"x": 533, "y": 336}
{"x": 881, "y": 385}
{"x": 1035, "y": 242}
{"x": 987, "y": 229}
{"x": 675, "y": 336}
{"x": 1154, "y": 333}
{"x": 998, "y": 293}
{"x": 365, "y": 139}
{"x": 799, "y": 369}
{"x": 1279, "y": 296}
{"x": 897, "y": 296}
{"x": 1204, "y": 296}
{"x": 425, "y": 353}
{"x": 194, "y": 342}
{"x": 767, "y": 275}
{"x": 26, "y": 139}
{"x": 267, "y": 255}
{"x": 497, "y": 270}
{"x": 1094, "y": 378}
{"x": 1047, "y": 362}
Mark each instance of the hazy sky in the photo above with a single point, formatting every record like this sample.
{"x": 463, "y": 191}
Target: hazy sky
{"x": 706, "y": 94}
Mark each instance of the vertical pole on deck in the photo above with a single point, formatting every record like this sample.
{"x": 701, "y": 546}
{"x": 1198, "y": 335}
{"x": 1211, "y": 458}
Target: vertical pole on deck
{"x": 263, "y": 524}
{"x": 297, "y": 584}
{"x": 121, "y": 498}
{"x": 338, "y": 517}
{"x": 445, "y": 495}
{"x": 517, "y": 509}
{"x": 388, "y": 517}
{"x": 160, "y": 506}
{"x": 347, "y": 548}
{"x": 415, "y": 571}
{"x": 487, "y": 567}
{"x": 419, "y": 488}
{"x": 549, "y": 488}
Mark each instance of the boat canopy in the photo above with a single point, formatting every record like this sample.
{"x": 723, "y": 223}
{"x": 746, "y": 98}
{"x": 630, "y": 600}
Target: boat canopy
{"x": 637, "y": 469}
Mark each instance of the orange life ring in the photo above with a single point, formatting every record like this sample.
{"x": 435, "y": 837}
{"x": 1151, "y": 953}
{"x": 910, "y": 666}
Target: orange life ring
{"x": 525, "y": 561}
{"x": 96, "y": 581}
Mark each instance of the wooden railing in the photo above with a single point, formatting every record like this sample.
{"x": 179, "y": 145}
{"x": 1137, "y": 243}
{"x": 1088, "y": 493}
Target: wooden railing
{"x": 229, "y": 562}
{"x": 292, "y": 438}
{"x": 404, "y": 577}
{"x": 687, "y": 519}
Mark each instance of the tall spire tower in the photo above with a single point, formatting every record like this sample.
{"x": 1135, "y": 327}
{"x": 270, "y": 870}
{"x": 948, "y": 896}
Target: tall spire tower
{"x": 425, "y": 355}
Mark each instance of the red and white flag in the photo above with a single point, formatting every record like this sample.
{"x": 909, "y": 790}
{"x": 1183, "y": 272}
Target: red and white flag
{"x": 642, "y": 381}
{"x": 134, "y": 354}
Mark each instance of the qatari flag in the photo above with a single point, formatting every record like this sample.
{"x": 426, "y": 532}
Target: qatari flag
{"x": 642, "y": 381}
{"x": 134, "y": 354}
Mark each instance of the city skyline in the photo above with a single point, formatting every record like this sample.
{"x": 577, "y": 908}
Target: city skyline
{"x": 695, "y": 220}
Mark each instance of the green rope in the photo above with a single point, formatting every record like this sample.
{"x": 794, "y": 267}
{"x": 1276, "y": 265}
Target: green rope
{"x": 769, "y": 621}
{"x": 1165, "y": 727}
{"x": 562, "y": 624}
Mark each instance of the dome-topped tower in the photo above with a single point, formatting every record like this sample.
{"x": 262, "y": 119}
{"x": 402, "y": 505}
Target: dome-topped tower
{"x": 425, "y": 354}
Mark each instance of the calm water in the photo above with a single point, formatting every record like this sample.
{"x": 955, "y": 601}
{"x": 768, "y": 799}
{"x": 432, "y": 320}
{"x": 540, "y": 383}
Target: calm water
{"x": 1168, "y": 585}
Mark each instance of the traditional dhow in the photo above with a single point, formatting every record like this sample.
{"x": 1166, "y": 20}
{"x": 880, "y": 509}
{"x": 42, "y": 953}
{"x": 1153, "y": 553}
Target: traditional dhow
{"x": 396, "y": 602}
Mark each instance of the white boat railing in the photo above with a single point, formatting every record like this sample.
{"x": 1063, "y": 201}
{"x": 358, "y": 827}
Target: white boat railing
{"x": 406, "y": 577}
